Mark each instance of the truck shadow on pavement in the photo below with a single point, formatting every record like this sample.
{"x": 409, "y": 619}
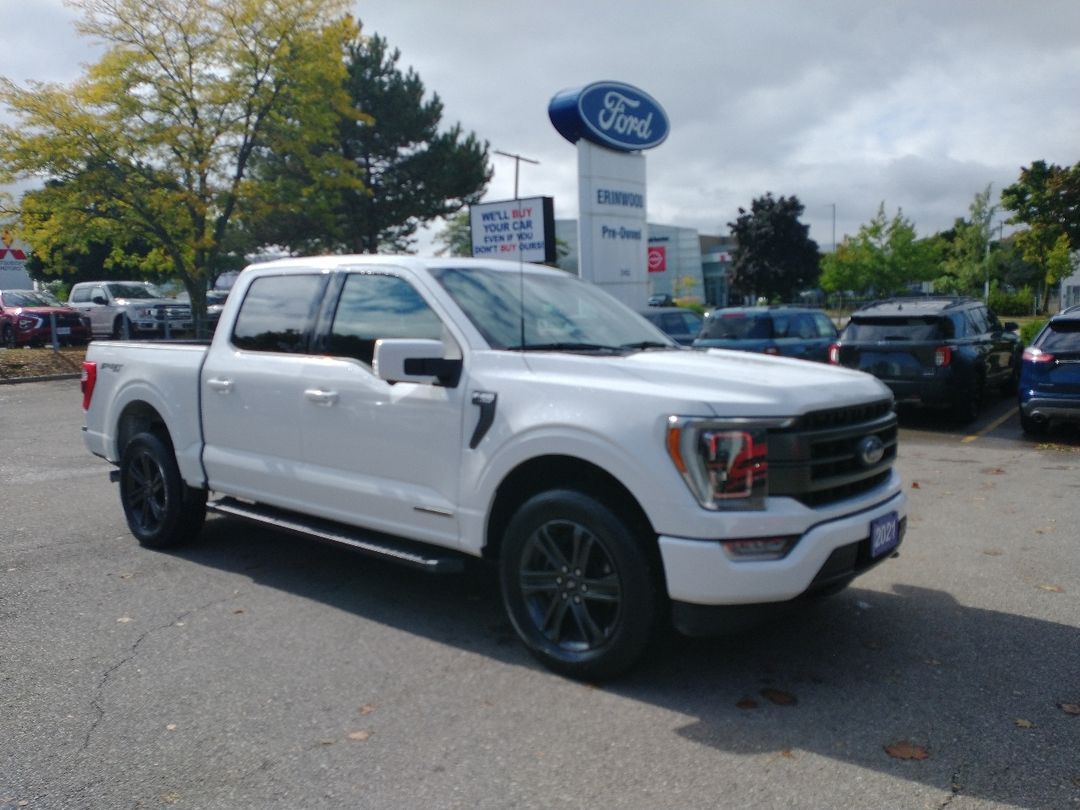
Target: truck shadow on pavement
{"x": 986, "y": 696}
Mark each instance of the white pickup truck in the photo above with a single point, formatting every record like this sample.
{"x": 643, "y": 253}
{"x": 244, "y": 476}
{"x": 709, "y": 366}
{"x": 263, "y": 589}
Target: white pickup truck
{"x": 428, "y": 410}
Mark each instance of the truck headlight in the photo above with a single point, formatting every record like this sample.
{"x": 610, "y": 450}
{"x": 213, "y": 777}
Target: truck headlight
{"x": 724, "y": 462}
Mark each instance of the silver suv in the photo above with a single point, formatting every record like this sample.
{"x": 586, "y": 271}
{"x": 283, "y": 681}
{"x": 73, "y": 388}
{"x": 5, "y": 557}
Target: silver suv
{"x": 123, "y": 309}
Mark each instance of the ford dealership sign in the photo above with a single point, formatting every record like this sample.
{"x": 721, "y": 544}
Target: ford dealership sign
{"x": 611, "y": 114}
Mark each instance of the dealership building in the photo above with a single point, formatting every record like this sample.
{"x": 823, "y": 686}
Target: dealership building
{"x": 682, "y": 262}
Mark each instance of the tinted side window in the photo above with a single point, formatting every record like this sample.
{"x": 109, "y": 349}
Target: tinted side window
{"x": 825, "y": 327}
{"x": 977, "y": 321}
{"x": 377, "y": 306}
{"x": 278, "y": 314}
{"x": 913, "y": 328}
{"x": 803, "y": 327}
{"x": 1061, "y": 336}
{"x": 80, "y": 295}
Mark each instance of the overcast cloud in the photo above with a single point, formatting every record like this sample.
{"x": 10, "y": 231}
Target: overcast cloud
{"x": 919, "y": 105}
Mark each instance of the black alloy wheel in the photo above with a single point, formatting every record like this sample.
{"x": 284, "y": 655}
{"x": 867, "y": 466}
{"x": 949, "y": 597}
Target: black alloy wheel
{"x": 578, "y": 585}
{"x": 161, "y": 510}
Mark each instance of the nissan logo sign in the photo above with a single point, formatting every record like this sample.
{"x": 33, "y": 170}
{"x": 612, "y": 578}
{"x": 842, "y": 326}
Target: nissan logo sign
{"x": 870, "y": 451}
{"x": 610, "y": 114}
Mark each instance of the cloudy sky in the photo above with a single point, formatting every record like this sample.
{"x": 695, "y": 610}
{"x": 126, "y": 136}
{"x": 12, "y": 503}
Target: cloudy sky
{"x": 844, "y": 104}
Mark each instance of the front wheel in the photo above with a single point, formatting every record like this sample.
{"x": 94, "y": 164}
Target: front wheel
{"x": 161, "y": 510}
{"x": 1032, "y": 427}
{"x": 7, "y": 337}
{"x": 579, "y": 585}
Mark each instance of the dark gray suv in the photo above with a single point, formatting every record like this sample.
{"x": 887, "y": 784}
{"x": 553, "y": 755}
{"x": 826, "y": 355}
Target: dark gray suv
{"x": 937, "y": 352}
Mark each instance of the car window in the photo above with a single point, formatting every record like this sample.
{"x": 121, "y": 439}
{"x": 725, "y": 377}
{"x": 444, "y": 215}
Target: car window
{"x": 1061, "y": 336}
{"x": 375, "y": 306}
{"x": 912, "y": 328}
{"x": 802, "y": 327}
{"x": 825, "y": 327}
{"x": 737, "y": 326}
{"x": 80, "y": 295}
{"x": 134, "y": 290}
{"x": 278, "y": 313}
{"x": 977, "y": 321}
{"x": 691, "y": 322}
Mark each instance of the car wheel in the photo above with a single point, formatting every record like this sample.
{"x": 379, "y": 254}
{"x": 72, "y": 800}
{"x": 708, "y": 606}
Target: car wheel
{"x": 7, "y": 337}
{"x": 161, "y": 510}
{"x": 121, "y": 328}
{"x": 967, "y": 409}
{"x": 579, "y": 585}
{"x": 1033, "y": 427}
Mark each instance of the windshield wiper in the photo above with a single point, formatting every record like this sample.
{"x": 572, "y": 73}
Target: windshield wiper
{"x": 568, "y": 347}
{"x": 648, "y": 344}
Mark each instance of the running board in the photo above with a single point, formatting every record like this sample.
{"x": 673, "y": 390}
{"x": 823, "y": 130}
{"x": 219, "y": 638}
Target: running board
{"x": 416, "y": 555}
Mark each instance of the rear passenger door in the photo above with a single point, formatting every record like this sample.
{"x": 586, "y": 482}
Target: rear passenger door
{"x": 252, "y": 390}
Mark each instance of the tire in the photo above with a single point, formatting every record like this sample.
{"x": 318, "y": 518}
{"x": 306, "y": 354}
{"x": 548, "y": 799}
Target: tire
{"x": 1032, "y": 427}
{"x": 579, "y": 585}
{"x": 161, "y": 510}
{"x": 121, "y": 328}
{"x": 967, "y": 409}
{"x": 7, "y": 337}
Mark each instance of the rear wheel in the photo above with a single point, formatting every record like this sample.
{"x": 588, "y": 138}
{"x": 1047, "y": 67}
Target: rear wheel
{"x": 967, "y": 409}
{"x": 121, "y": 328}
{"x": 7, "y": 337}
{"x": 579, "y": 585}
{"x": 161, "y": 510}
{"x": 1033, "y": 427}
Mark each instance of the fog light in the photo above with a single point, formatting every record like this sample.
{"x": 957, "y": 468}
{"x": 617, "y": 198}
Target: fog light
{"x": 760, "y": 548}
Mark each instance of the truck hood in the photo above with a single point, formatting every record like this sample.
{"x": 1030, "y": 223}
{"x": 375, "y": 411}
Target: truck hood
{"x": 718, "y": 380}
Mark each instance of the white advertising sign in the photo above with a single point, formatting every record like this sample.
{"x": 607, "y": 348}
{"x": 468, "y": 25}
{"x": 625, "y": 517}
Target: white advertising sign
{"x": 514, "y": 229}
{"x": 612, "y": 237}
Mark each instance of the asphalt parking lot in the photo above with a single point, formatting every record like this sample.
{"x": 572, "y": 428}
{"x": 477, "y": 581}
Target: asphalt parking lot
{"x": 254, "y": 670}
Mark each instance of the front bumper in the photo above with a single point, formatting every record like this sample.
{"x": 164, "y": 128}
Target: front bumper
{"x": 700, "y": 572}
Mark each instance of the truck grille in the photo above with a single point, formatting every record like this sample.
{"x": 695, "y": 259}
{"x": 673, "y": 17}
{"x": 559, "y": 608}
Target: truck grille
{"x": 827, "y": 456}
{"x": 172, "y": 312}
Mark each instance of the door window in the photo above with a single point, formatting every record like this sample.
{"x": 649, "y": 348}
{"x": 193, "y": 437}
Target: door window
{"x": 81, "y": 295}
{"x": 278, "y": 314}
{"x": 375, "y": 306}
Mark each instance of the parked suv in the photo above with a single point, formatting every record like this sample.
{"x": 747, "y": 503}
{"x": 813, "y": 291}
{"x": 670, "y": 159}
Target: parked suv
{"x": 1050, "y": 374}
{"x": 938, "y": 352}
{"x": 681, "y": 325}
{"x": 27, "y": 316}
{"x": 789, "y": 331}
{"x": 122, "y": 309}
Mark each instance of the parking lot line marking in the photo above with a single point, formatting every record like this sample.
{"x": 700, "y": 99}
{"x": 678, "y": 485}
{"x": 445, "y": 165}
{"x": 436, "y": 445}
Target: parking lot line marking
{"x": 992, "y": 426}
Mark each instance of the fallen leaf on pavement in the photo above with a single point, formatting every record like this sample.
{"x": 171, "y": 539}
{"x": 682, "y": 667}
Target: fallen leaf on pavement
{"x": 1021, "y": 723}
{"x": 1053, "y": 588}
{"x": 367, "y": 708}
{"x": 915, "y": 485}
{"x": 171, "y": 727}
{"x": 906, "y": 750}
{"x": 124, "y": 620}
{"x": 779, "y": 697}
{"x": 747, "y": 703}
{"x": 786, "y": 753}
{"x": 359, "y": 735}
{"x": 1070, "y": 708}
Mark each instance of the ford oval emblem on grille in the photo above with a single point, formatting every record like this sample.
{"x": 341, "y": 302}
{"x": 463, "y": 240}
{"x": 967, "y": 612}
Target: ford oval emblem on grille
{"x": 870, "y": 451}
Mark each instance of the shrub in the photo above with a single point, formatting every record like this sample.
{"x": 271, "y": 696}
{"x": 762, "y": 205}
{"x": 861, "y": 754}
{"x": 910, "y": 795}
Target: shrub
{"x": 1017, "y": 303}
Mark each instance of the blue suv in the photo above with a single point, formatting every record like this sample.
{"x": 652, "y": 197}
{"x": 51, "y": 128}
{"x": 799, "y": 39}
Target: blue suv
{"x": 1050, "y": 374}
{"x": 789, "y": 331}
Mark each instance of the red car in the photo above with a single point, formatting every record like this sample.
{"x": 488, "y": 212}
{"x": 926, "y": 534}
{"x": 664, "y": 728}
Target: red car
{"x": 26, "y": 318}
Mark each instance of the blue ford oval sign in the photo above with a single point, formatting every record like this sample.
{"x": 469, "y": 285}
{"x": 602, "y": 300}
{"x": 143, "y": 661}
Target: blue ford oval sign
{"x": 610, "y": 114}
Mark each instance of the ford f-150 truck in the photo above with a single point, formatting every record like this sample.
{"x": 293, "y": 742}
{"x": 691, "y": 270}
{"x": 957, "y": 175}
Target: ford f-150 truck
{"x": 429, "y": 410}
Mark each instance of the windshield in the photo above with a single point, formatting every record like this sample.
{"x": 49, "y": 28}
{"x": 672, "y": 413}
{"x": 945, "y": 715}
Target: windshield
{"x": 28, "y": 298}
{"x": 134, "y": 291}
{"x": 921, "y": 328}
{"x": 1062, "y": 336}
{"x": 561, "y": 312}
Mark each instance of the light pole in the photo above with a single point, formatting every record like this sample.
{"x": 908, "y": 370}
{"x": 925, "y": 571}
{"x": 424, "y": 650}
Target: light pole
{"x": 517, "y": 164}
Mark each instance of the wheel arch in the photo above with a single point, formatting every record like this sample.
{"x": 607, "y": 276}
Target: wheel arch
{"x": 556, "y": 471}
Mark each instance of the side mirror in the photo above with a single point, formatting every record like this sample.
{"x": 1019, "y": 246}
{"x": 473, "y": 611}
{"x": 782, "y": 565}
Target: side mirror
{"x": 1011, "y": 326}
{"x": 99, "y": 300}
{"x": 415, "y": 361}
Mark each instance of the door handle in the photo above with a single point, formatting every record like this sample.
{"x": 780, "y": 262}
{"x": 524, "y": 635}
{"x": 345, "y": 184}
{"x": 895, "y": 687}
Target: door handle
{"x": 220, "y": 385}
{"x": 321, "y": 397}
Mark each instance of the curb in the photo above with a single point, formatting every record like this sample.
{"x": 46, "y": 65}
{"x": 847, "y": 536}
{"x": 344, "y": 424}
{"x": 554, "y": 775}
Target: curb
{"x": 47, "y": 378}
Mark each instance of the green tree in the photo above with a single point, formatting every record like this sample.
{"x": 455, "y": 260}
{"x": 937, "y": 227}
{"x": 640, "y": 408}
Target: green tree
{"x": 413, "y": 173}
{"x": 455, "y": 236}
{"x": 886, "y": 256}
{"x": 1046, "y": 198}
{"x": 775, "y": 257}
{"x": 153, "y": 144}
{"x": 967, "y": 261}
